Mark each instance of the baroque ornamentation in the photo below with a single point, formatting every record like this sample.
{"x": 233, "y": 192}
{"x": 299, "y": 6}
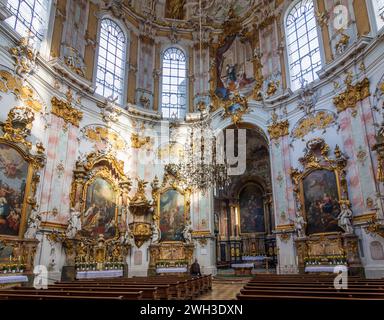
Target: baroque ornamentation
{"x": 278, "y": 129}
{"x": 105, "y": 135}
{"x": 352, "y": 95}
{"x": 16, "y": 129}
{"x": 374, "y": 227}
{"x": 272, "y": 87}
{"x": 342, "y": 44}
{"x": 74, "y": 61}
{"x": 139, "y": 204}
{"x": 137, "y": 142}
{"x": 110, "y": 112}
{"x": 379, "y": 148}
{"x": 26, "y": 94}
{"x": 66, "y": 111}
{"x": 24, "y": 55}
{"x": 235, "y": 108}
{"x": 318, "y": 121}
{"x": 142, "y": 231}
{"x": 317, "y": 158}
{"x": 18, "y": 125}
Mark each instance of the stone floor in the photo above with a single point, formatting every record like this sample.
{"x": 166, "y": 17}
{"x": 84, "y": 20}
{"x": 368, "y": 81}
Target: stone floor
{"x": 225, "y": 289}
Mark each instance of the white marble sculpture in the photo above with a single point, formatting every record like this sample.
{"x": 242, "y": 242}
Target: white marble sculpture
{"x": 300, "y": 224}
{"x": 74, "y": 225}
{"x": 187, "y": 232}
{"x": 156, "y": 233}
{"x": 34, "y": 221}
{"x": 345, "y": 218}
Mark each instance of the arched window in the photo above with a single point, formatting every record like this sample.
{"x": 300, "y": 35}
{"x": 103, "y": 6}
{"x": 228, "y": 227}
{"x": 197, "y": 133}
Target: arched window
{"x": 110, "y": 61}
{"x": 174, "y": 83}
{"x": 378, "y": 7}
{"x": 29, "y": 17}
{"x": 303, "y": 44}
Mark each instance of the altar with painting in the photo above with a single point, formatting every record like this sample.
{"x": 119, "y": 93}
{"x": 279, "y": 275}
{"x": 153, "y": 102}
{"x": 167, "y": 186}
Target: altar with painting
{"x": 325, "y": 236}
{"x": 173, "y": 249}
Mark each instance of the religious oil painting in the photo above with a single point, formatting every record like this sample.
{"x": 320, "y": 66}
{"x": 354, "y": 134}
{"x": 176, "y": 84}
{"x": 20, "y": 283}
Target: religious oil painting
{"x": 251, "y": 210}
{"x": 100, "y": 209}
{"x": 172, "y": 215}
{"x": 234, "y": 68}
{"x": 13, "y": 177}
{"x": 321, "y": 201}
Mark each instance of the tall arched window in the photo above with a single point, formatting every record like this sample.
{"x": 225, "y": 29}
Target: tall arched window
{"x": 378, "y": 7}
{"x": 110, "y": 61}
{"x": 174, "y": 83}
{"x": 29, "y": 17}
{"x": 303, "y": 44}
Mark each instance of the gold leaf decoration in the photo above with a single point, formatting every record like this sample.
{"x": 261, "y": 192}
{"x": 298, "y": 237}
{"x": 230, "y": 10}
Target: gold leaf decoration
{"x": 11, "y": 83}
{"x": 352, "y": 95}
{"x": 278, "y": 129}
{"x": 65, "y": 111}
{"x": 320, "y": 121}
{"x": 103, "y": 134}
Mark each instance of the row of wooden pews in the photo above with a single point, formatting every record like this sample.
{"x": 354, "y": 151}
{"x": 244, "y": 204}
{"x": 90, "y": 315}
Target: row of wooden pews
{"x": 310, "y": 287}
{"x": 137, "y": 288}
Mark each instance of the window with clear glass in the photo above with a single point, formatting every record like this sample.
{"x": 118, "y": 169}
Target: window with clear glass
{"x": 302, "y": 44}
{"x": 29, "y": 17}
{"x": 174, "y": 84}
{"x": 378, "y": 6}
{"x": 111, "y": 61}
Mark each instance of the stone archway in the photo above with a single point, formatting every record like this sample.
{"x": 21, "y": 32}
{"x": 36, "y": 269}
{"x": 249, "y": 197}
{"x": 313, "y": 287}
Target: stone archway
{"x": 236, "y": 207}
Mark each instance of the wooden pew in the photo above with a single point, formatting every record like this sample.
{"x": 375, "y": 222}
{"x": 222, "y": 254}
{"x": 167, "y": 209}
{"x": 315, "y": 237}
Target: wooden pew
{"x": 133, "y": 295}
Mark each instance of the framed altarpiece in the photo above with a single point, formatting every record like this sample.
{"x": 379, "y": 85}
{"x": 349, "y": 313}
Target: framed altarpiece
{"x": 99, "y": 194}
{"x": 171, "y": 218}
{"x": 20, "y": 163}
{"x": 321, "y": 194}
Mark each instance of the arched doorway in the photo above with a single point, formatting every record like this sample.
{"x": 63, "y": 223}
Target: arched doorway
{"x": 244, "y": 211}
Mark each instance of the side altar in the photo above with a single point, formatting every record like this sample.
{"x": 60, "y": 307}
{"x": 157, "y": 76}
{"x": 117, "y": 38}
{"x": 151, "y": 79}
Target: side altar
{"x": 324, "y": 225}
{"x": 171, "y": 250}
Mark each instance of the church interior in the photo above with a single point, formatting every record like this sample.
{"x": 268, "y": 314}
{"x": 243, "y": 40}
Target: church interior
{"x": 191, "y": 149}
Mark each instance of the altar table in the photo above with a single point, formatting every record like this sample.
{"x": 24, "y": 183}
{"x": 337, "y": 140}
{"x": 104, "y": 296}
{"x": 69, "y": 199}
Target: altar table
{"x": 172, "y": 270}
{"x": 99, "y": 274}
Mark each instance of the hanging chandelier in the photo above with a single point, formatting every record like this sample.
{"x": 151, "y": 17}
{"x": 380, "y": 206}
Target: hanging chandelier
{"x": 201, "y": 165}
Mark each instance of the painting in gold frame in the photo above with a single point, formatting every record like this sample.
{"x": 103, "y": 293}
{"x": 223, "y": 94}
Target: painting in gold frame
{"x": 179, "y": 199}
{"x": 251, "y": 210}
{"x": 172, "y": 215}
{"x": 15, "y": 180}
{"x": 100, "y": 208}
{"x": 320, "y": 186}
{"x": 320, "y": 190}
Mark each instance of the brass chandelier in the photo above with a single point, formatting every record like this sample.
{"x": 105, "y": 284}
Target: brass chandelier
{"x": 201, "y": 165}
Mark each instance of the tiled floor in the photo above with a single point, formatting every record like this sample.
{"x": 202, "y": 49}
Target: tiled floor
{"x": 224, "y": 289}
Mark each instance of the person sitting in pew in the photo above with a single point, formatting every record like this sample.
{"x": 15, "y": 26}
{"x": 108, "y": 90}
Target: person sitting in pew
{"x": 195, "y": 269}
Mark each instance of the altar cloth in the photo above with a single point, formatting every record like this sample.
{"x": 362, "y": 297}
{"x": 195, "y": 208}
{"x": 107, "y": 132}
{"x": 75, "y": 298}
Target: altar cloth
{"x": 13, "y": 279}
{"x": 242, "y": 265}
{"x": 321, "y": 268}
{"x": 171, "y": 270}
{"x": 99, "y": 274}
